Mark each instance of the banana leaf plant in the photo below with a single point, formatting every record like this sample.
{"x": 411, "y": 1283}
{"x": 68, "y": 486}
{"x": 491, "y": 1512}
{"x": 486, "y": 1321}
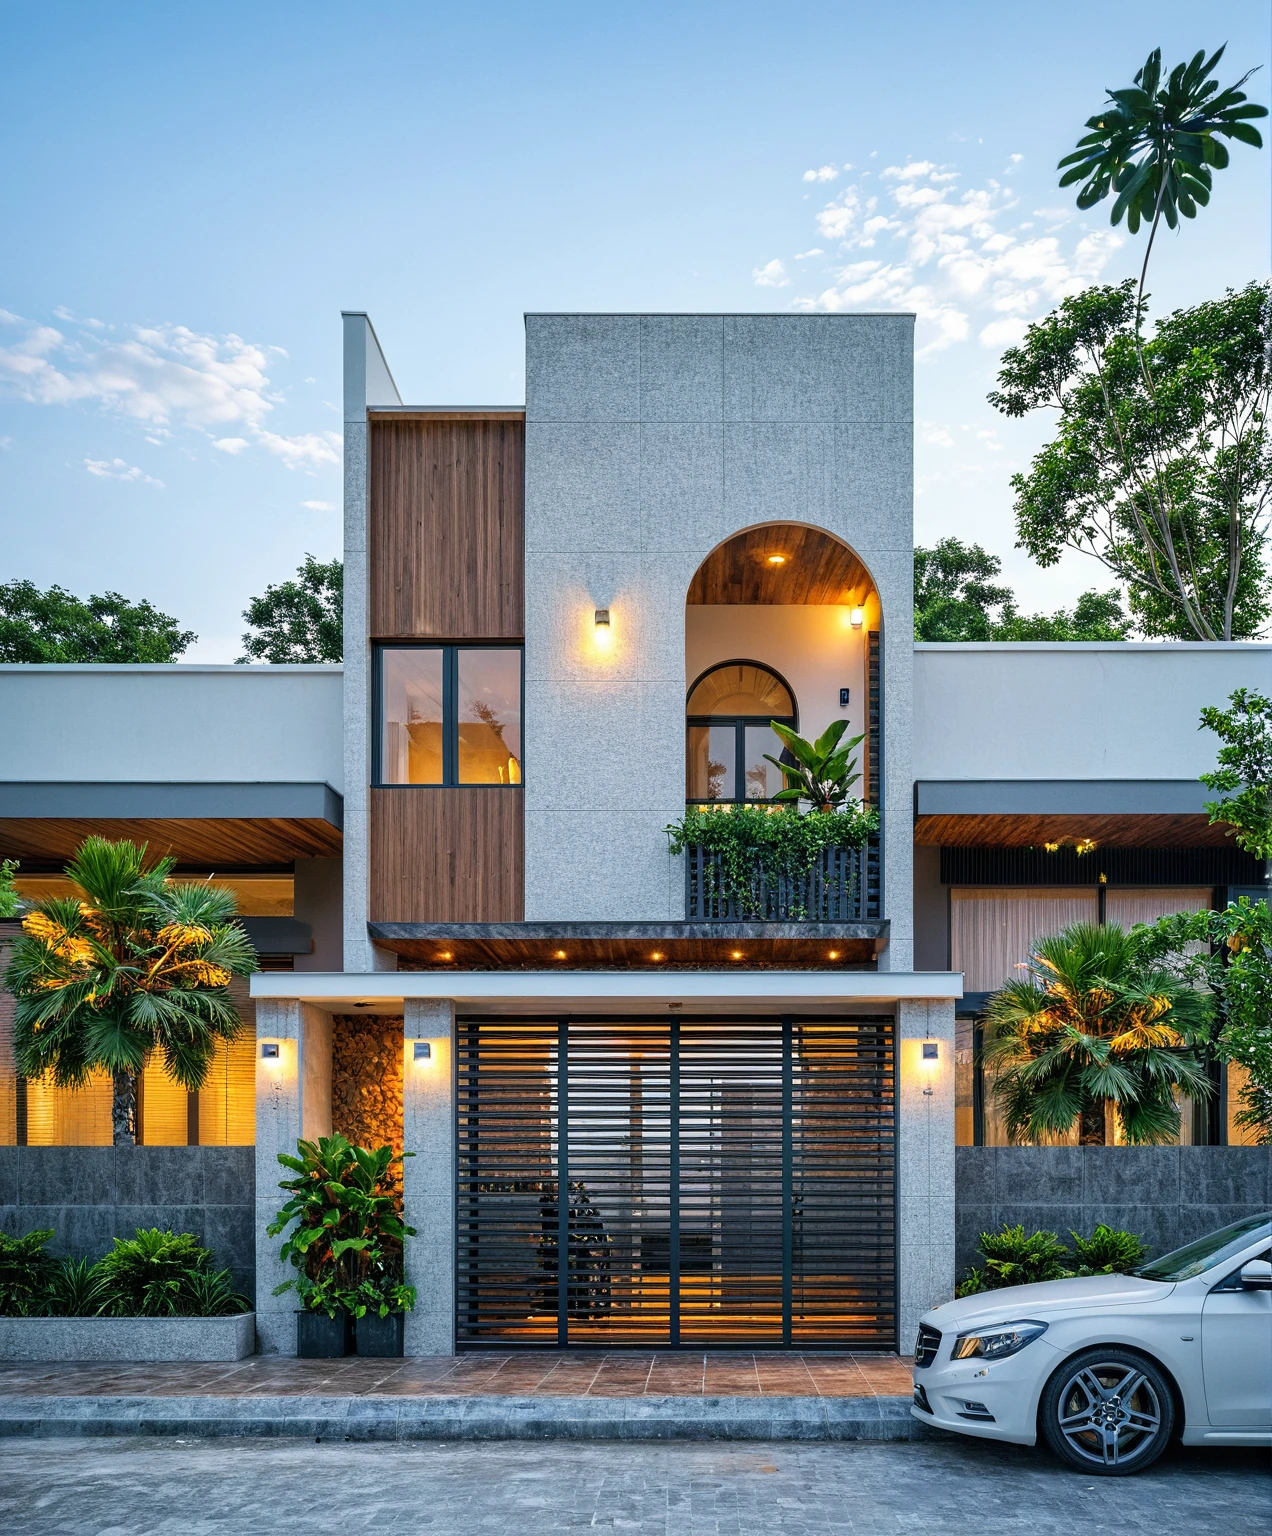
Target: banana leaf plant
{"x": 346, "y": 1244}
{"x": 823, "y": 772}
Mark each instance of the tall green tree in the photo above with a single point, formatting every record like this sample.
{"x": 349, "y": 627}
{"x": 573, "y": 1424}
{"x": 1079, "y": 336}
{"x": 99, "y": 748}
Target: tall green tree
{"x": 1155, "y": 144}
{"x": 956, "y": 599}
{"x": 300, "y": 620}
{"x": 54, "y": 625}
{"x": 1094, "y": 1030}
{"x": 1161, "y": 468}
{"x": 136, "y": 964}
{"x": 1244, "y": 773}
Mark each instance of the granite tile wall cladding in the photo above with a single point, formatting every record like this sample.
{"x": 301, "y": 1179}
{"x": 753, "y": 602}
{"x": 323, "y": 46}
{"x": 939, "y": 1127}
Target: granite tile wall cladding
{"x": 1168, "y": 1195}
{"x": 89, "y": 1195}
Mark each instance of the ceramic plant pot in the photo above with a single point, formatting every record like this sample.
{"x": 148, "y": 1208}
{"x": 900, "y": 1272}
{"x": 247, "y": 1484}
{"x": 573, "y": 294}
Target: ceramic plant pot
{"x": 319, "y": 1337}
{"x": 380, "y": 1337}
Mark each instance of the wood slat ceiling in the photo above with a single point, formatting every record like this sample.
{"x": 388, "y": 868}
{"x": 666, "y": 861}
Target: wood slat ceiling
{"x": 205, "y": 843}
{"x": 631, "y": 954}
{"x": 817, "y": 569}
{"x": 1033, "y": 831}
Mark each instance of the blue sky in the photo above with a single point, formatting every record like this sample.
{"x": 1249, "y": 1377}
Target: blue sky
{"x": 192, "y": 193}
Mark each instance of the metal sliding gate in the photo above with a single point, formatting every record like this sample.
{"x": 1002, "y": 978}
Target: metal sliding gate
{"x": 727, "y": 1182}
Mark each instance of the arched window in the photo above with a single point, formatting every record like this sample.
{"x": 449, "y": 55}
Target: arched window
{"x": 728, "y": 733}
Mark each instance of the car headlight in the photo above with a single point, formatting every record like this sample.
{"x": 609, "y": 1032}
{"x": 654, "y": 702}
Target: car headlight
{"x": 998, "y": 1342}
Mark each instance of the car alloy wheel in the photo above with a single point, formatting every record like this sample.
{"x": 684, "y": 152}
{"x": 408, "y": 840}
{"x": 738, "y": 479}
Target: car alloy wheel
{"x": 1108, "y": 1411}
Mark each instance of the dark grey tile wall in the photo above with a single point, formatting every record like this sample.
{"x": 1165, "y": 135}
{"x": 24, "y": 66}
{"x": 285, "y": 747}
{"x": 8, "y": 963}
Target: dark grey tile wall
{"x": 89, "y": 1195}
{"x": 1168, "y": 1195}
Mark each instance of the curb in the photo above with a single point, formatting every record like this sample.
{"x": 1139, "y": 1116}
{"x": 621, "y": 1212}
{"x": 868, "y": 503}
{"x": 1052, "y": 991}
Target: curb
{"x": 479, "y": 1417}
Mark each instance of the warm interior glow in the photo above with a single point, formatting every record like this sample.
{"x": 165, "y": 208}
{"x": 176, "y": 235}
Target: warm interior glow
{"x": 857, "y": 617}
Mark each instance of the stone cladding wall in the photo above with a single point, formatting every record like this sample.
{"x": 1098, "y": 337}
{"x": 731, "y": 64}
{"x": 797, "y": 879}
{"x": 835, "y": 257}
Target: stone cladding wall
{"x": 366, "y": 1079}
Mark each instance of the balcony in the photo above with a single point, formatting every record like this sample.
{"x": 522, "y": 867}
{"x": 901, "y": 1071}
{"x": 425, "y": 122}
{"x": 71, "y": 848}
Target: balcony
{"x": 842, "y": 887}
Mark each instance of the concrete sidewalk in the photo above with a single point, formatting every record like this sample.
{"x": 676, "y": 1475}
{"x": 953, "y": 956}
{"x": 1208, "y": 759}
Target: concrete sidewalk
{"x": 571, "y": 1395}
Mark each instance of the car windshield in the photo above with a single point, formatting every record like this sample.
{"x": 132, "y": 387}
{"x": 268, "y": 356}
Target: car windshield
{"x": 1206, "y": 1252}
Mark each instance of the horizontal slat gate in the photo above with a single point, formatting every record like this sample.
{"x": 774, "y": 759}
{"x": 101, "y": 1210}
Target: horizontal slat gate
{"x": 730, "y": 1183}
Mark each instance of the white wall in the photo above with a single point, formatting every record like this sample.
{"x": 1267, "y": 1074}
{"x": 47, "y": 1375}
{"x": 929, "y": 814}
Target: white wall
{"x": 171, "y": 724}
{"x": 1062, "y": 711}
{"x": 814, "y": 647}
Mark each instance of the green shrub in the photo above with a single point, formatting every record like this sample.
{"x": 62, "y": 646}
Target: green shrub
{"x": 1108, "y": 1251}
{"x": 346, "y": 1245}
{"x": 1014, "y": 1258}
{"x": 25, "y": 1270}
{"x": 211, "y": 1293}
{"x": 74, "y": 1289}
{"x": 152, "y": 1274}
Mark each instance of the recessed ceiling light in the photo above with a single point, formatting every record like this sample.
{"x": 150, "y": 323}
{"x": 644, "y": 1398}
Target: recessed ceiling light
{"x": 737, "y": 954}
{"x": 777, "y": 559}
{"x": 657, "y": 955}
{"x": 446, "y": 955}
{"x": 560, "y": 954}
{"x": 834, "y": 954}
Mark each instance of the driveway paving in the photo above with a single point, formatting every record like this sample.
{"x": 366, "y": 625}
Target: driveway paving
{"x": 946, "y": 1488}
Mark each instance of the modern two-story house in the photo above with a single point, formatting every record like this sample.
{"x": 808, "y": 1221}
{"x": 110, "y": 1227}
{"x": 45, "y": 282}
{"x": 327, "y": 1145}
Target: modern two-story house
{"x": 641, "y": 1116}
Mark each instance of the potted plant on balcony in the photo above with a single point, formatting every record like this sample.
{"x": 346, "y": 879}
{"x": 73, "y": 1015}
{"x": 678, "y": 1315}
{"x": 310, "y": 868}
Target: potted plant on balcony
{"x": 346, "y": 1246}
{"x": 779, "y": 861}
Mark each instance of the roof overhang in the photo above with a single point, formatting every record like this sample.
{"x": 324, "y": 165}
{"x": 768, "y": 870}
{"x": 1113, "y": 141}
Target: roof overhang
{"x": 1022, "y": 813}
{"x": 514, "y": 992}
{"x": 632, "y": 946}
{"x": 214, "y": 825}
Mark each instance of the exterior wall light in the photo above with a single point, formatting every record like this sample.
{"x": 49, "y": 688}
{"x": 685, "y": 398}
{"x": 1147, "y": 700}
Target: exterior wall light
{"x": 272, "y": 1054}
{"x": 931, "y": 1050}
{"x": 421, "y": 1051}
{"x": 603, "y": 629}
{"x": 857, "y": 617}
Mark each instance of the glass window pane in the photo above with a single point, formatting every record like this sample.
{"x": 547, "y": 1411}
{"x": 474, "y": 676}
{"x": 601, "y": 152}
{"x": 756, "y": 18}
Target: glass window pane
{"x": 411, "y": 734}
{"x": 763, "y": 780}
{"x": 490, "y": 717}
{"x": 712, "y": 751}
{"x": 741, "y": 688}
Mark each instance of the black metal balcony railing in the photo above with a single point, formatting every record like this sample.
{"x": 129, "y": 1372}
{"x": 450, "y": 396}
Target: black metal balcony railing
{"x": 842, "y": 887}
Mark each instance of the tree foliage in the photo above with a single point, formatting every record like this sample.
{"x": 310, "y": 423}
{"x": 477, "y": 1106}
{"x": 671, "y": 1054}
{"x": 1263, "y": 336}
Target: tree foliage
{"x": 1095, "y": 1028}
{"x": 56, "y": 626}
{"x": 137, "y": 964}
{"x": 1227, "y": 956}
{"x": 1155, "y": 144}
{"x": 300, "y": 620}
{"x": 1162, "y": 467}
{"x": 1244, "y": 773}
{"x": 956, "y": 599}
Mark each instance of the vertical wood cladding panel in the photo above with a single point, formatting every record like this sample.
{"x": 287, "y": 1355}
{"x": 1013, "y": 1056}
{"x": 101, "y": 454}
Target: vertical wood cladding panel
{"x": 453, "y": 855}
{"x": 447, "y": 528}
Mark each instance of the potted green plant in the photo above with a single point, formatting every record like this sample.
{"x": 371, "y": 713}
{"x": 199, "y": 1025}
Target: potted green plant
{"x": 346, "y": 1246}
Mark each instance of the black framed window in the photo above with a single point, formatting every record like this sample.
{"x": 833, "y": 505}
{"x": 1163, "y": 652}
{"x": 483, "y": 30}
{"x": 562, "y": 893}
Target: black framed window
{"x": 728, "y": 731}
{"x": 448, "y": 714}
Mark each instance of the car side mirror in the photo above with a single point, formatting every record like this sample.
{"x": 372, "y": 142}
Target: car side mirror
{"x": 1256, "y": 1275}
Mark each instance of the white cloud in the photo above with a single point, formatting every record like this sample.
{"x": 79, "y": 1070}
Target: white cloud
{"x": 167, "y": 378}
{"x": 5, "y": 444}
{"x": 771, "y": 275}
{"x": 304, "y": 450}
{"x": 960, "y": 258}
{"x": 319, "y": 506}
{"x": 119, "y": 469}
{"x": 824, "y": 173}
{"x": 804, "y": 255}
{"x": 936, "y": 434}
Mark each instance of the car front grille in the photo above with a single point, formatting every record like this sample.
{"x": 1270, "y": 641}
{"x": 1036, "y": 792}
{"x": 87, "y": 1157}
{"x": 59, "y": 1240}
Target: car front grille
{"x": 926, "y": 1345}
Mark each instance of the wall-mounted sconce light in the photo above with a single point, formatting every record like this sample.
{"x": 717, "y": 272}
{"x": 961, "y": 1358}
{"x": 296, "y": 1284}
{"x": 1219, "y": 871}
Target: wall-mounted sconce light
{"x": 857, "y": 617}
{"x": 603, "y": 628}
{"x": 271, "y": 1053}
{"x": 931, "y": 1050}
{"x": 421, "y": 1050}
{"x": 602, "y": 618}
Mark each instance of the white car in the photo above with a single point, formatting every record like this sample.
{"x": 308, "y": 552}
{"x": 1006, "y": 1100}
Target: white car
{"x": 1108, "y": 1368}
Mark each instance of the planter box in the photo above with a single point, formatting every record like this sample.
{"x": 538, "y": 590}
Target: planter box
{"x": 128, "y": 1338}
{"x": 380, "y": 1337}
{"x": 319, "y": 1337}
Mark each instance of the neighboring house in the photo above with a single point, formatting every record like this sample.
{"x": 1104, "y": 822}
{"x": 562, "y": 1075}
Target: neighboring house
{"x": 563, "y": 623}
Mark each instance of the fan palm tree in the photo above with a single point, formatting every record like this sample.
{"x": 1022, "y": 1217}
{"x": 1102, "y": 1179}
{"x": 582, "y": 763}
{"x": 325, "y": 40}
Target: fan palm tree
{"x": 1094, "y": 1030}
{"x": 136, "y": 964}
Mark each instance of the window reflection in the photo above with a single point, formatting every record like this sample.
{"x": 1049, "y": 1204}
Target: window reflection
{"x": 411, "y": 743}
{"x": 489, "y": 716}
{"x": 711, "y": 766}
{"x": 763, "y": 780}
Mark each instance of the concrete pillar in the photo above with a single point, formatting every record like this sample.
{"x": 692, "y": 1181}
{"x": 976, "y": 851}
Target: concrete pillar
{"x": 925, "y": 1161}
{"x": 429, "y": 1109}
{"x": 293, "y": 1099}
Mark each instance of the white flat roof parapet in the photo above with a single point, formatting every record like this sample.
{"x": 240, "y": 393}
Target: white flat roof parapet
{"x": 618, "y": 991}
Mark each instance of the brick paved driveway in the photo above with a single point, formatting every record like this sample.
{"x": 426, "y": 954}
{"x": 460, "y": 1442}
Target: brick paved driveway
{"x": 946, "y": 1488}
